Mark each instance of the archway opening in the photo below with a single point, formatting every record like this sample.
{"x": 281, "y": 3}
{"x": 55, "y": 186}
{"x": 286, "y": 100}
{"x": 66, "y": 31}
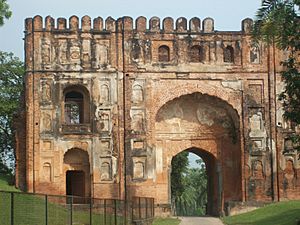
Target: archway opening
{"x": 77, "y": 174}
{"x": 193, "y": 184}
{"x": 75, "y": 183}
{"x": 210, "y": 128}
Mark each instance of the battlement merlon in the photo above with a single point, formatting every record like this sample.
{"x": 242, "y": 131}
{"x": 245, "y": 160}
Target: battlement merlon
{"x": 36, "y": 24}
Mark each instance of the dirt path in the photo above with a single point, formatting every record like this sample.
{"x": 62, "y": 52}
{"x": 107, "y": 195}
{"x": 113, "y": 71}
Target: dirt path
{"x": 200, "y": 221}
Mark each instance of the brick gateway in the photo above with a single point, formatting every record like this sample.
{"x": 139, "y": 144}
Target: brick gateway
{"x": 108, "y": 104}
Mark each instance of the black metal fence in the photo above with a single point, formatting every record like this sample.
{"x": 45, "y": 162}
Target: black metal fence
{"x": 142, "y": 210}
{"x": 18, "y": 208}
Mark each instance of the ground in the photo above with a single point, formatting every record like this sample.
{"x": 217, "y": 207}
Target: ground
{"x": 200, "y": 220}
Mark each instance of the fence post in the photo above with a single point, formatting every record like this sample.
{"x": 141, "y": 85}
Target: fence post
{"x": 153, "y": 209}
{"x": 91, "y": 213}
{"x": 71, "y": 213}
{"x": 12, "y": 208}
{"x": 140, "y": 213}
{"x": 146, "y": 208}
{"x": 46, "y": 209}
{"x": 104, "y": 211}
{"x": 115, "y": 201}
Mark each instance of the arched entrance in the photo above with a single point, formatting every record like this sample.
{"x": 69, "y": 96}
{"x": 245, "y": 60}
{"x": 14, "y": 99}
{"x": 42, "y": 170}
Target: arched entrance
{"x": 77, "y": 173}
{"x": 210, "y": 128}
{"x": 212, "y": 181}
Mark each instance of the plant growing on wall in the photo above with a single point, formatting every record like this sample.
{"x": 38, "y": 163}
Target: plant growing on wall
{"x": 278, "y": 22}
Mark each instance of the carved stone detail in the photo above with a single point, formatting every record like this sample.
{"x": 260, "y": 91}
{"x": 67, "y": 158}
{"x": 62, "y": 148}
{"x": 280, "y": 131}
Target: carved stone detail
{"x": 62, "y": 52}
{"x": 139, "y": 167}
{"x": 106, "y": 169}
{"x": 46, "y": 53}
{"x": 137, "y": 94}
{"x": 75, "y": 52}
{"x": 105, "y": 147}
{"x": 289, "y": 172}
{"x": 256, "y": 125}
{"x": 104, "y": 120}
{"x": 258, "y": 170}
{"x": 46, "y": 90}
{"x": 138, "y": 120}
{"x": 86, "y": 53}
{"x": 104, "y": 94}
{"x": 46, "y": 121}
{"x": 47, "y": 172}
{"x": 254, "y": 54}
{"x": 101, "y": 49}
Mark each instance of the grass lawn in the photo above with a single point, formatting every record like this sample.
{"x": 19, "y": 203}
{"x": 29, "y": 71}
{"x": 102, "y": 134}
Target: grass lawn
{"x": 4, "y": 186}
{"x": 166, "y": 221}
{"x": 31, "y": 209}
{"x": 282, "y": 213}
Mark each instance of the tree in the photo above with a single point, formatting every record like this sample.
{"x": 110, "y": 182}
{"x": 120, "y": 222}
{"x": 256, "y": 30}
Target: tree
{"x": 179, "y": 164}
{"x": 11, "y": 85}
{"x": 278, "y": 22}
{"x": 5, "y": 13}
{"x": 188, "y": 187}
{"x": 198, "y": 179}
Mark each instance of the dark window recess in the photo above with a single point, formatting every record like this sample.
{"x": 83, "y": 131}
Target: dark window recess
{"x": 229, "y": 54}
{"x": 196, "y": 54}
{"x": 73, "y": 108}
{"x": 163, "y": 53}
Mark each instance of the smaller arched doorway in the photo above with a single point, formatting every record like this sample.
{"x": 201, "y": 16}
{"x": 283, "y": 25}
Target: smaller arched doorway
{"x": 77, "y": 173}
{"x": 211, "y": 181}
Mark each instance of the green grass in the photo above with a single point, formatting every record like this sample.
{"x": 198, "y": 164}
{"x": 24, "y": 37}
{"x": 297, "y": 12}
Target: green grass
{"x": 31, "y": 209}
{"x": 282, "y": 213}
{"x": 166, "y": 221}
{"x": 4, "y": 186}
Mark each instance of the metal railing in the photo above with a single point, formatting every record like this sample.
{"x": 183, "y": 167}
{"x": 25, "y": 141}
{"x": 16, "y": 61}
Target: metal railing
{"x": 18, "y": 208}
{"x": 142, "y": 210}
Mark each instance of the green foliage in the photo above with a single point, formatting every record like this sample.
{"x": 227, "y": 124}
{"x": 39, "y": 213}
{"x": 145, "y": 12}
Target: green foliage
{"x": 179, "y": 166}
{"x": 5, "y": 13}
{"x": 278, "y": 22}
{"x": 283, "y": 213}
{"x": 11, "y": 85}
{"x": 189, "y": 187}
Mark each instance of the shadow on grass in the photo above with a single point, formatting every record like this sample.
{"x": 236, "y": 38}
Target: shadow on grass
{"x": 6, "y": 182}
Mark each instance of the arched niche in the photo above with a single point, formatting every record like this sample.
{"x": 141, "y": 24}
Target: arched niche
{"x": 77, "y": 173}
{"x": 163, "y": 53}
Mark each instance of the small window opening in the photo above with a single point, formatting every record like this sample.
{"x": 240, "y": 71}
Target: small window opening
{"x": 73, "y": 108}
{"x": 196, "y": 54}
{"x": 229, "y": 54}
{"x": 163, "y": 54}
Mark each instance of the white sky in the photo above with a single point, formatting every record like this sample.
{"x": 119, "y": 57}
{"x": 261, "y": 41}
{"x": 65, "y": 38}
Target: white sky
{"x": 226, "y": 13}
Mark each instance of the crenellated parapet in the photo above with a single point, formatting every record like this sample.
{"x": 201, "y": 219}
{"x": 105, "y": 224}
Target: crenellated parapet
{"x": 87, "y": 44}
{"x": 73, "y": 24}
{"x": 155, "y": 24}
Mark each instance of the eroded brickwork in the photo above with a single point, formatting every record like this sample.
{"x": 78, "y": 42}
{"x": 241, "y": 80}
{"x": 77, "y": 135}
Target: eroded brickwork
{"x": 116, "y": 100}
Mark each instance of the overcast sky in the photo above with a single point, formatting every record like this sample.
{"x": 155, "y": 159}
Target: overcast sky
{"x": 226, "y": 13}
